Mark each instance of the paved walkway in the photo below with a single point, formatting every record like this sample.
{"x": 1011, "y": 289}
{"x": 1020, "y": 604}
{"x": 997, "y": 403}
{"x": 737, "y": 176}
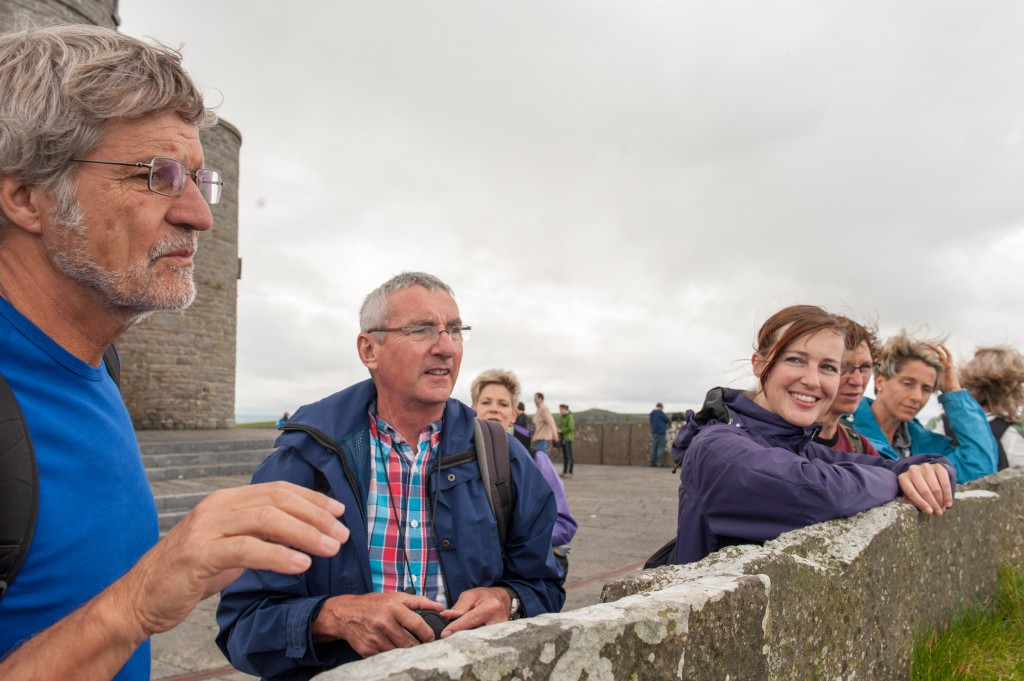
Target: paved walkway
{"x": 625, "y": 513}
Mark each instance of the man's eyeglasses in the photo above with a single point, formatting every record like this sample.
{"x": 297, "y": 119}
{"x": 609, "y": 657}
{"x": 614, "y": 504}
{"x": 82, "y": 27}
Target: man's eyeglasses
{"x": 864, "y": 369}
{"x": 427, "y": 333}
{"x": 167, "y": 177}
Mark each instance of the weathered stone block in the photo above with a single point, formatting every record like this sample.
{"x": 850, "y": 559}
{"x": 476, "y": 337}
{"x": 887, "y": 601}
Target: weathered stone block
{"x": 674, "y": 633}
{"x": 615, "y": 446}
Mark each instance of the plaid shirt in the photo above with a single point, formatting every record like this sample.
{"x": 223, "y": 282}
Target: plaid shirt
{"x": 397, "y": 508}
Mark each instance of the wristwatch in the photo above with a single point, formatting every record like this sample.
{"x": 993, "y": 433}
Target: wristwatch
{"x": 515, "y": 611}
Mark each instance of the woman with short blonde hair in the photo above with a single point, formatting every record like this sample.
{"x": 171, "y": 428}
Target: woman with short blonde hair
{"x": 908, "y": 371}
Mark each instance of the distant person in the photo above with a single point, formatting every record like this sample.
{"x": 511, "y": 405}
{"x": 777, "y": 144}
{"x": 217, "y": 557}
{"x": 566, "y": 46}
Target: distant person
{"x": 493, "y": 393}
{"x": 908, "y": 371}
{"x": 281, "y": 421}
{"x": 523, "y": 427}
{"x": 400, "y": 452}
{"x": 103, "y": 196}
{"x": 835, "y": 432}
{"x": 544, "y": 429}
{"x": 995, "y": 378}
{"x": 749, "y": 468}
{"x": 659, "y": 427}
{"x": 566, "y": 434}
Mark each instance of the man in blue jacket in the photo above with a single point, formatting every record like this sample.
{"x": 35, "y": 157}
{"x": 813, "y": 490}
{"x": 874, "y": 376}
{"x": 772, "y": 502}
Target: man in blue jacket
{"x": 659, "y": 427}
{"x": 398, "y": 450}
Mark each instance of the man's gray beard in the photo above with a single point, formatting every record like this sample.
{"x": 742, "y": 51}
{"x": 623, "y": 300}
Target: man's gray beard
{"x": 133, "y": 292}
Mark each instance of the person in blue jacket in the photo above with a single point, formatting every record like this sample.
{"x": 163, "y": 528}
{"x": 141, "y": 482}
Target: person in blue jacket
{"x": 750, "y": 467}
{"x": 659, "y": 426}
{"x": 398, "y": 452}
{"x": 907, "y": 373}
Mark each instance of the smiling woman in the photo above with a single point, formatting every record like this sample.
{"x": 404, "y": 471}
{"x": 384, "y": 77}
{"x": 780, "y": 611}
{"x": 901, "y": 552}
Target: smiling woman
{"x": 750, "y": 468}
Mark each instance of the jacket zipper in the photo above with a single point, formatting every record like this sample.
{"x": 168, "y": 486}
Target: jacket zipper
{"x": 447, "y": 462}
{"x": 327, "y": 441}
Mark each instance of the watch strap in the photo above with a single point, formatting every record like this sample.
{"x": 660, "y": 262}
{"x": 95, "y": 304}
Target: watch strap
{"x": 515, "y": 610}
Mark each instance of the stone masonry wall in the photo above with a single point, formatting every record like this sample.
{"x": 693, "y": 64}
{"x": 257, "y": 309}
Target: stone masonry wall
{"x": 840, "y": 600}
{"x": 13, "y": 13}
{"x": 622, "y": 444}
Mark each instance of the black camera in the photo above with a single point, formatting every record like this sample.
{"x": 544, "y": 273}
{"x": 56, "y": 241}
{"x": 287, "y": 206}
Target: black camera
{"x": 434, "y": 621}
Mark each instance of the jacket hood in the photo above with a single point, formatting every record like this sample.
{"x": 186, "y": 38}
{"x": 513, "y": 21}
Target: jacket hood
{"x": 727, "y": 406}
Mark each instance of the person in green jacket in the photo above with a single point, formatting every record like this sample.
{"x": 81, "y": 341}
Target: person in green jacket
{"x": 566, "y": 431}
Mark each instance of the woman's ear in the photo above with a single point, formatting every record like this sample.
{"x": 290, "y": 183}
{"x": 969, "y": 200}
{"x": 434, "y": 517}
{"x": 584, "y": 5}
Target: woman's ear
{"x": 757, "y": 362}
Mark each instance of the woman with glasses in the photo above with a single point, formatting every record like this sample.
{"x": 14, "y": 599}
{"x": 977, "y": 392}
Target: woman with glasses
{"x": 750, "y": 469}
{"x": 908, "y": 372}
{"x": 861, "y": 344}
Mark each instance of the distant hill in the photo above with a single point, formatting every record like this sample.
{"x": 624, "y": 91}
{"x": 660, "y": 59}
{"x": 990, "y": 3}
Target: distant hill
{"x": 605, "y": 416}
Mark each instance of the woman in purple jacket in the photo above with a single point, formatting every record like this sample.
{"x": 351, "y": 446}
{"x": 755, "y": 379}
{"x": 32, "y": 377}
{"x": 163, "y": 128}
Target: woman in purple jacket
{"x": 750, "y": 469}
{"x": 495, "y": 393}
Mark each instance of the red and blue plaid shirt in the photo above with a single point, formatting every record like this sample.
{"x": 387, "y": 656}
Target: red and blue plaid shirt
{"x": 402, "y": 552}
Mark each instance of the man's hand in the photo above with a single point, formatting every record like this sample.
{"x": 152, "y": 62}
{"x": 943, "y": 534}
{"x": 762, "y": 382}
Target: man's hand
{"x": 375, "y": 623}
{"x": 477, "y": 607}
{"x": 926, "y": 486}
{"x": 233, "y": 529}
{"x": 230, "y": 530}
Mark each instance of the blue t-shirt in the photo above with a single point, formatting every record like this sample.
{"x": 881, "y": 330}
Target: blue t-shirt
{"x": 96, "y": 511}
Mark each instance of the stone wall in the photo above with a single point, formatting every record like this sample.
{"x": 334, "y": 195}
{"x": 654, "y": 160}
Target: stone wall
{"x": 840, "y": 600}
{"x": 621, "y": 444}
{"x": 13, "y": 13}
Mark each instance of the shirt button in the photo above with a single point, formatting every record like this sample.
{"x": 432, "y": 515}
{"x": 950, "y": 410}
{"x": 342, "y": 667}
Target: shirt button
{"x": 414, "y": 579}
{"x": 415, "y": 523}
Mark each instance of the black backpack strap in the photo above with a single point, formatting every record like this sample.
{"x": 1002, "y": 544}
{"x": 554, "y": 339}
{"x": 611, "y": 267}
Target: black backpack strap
{"x": 492, "y": 455}
{"x": 666, "y": 555}
{"x": 112, "y": 362}
{"x": 19, "y": 488}
{"x": 999, "y": 426}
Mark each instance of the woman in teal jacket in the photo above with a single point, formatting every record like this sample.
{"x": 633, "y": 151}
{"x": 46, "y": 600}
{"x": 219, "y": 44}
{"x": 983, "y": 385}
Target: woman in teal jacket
{"x": 908, "y": 372}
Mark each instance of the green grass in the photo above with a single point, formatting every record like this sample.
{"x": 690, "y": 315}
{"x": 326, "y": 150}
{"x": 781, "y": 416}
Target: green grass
{"x": 980, "y": 643}
{"x": 258, "y": 424}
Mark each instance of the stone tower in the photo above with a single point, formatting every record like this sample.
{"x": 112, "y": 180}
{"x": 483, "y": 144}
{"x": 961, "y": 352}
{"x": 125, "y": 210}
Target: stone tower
{"x": 177, "y": 368}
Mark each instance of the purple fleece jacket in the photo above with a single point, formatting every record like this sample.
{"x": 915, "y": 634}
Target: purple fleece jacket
{"x": 748, "y": 475}
{"x": 565, "y": 523}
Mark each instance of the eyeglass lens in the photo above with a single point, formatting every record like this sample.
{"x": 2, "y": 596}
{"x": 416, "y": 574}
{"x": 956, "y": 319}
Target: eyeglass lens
{"x": 168, "y": 176}
{"x": 432, "y": 333}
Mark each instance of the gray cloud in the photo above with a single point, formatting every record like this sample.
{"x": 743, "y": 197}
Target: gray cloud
{"x": 618, "y": 192}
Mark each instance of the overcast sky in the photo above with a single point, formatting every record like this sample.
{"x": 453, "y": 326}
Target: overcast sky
{"x": 619, "y": 192}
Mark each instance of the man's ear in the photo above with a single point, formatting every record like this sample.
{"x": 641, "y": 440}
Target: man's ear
{"x": 367, "y": 351}
{"x": 22, "y": 203}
